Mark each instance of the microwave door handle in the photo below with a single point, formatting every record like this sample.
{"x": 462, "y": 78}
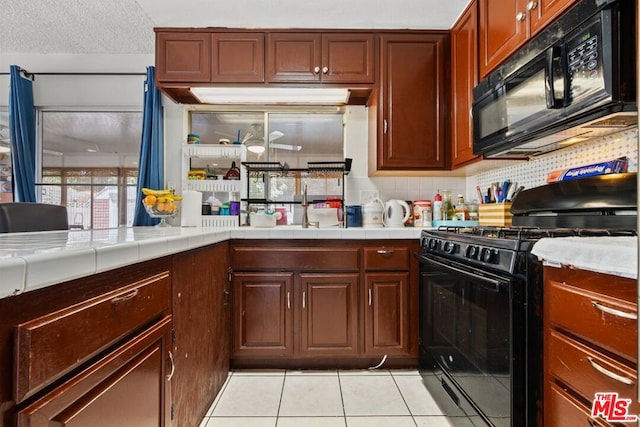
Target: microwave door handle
{"x": 553, "y": 67}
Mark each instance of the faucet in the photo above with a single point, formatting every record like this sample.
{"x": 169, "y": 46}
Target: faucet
{"x": 305, "y": 210}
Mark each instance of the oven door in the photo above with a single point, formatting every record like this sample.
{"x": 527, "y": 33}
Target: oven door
{"x": 472, "y": 329}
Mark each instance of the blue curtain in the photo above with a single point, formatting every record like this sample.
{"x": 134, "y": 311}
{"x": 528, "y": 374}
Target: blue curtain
{"x": 151, "y": 164}
{"x": 22, "y": 132}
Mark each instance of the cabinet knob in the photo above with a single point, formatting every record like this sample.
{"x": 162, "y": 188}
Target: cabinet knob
{"x": 521, "y": 16}
{"x": 316, "y": 70}
{"x": 532, "y": 5}
{"x": 325, "y": 70}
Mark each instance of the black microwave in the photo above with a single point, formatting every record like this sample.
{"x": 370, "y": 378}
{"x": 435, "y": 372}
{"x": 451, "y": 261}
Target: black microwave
{"x": 572, "y": 82}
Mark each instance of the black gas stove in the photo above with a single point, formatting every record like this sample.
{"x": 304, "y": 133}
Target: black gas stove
{"x": 499, "y": 248}
{"x": 481, "y": 297}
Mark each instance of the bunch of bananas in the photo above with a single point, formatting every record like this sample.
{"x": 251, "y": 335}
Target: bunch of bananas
{"x": 160, "y": 201}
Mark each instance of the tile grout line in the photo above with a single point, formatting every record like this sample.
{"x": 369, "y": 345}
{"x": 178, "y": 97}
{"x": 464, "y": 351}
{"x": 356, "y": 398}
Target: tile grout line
{"x": 403, "y": 399}
{"x": 344, "y": 412}
{"x": 219, "y": 396}
{"x": 284, "y": 380}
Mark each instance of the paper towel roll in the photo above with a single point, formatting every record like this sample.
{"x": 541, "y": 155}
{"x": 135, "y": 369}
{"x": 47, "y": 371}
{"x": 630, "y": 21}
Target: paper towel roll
{"x": 191, "y": 215}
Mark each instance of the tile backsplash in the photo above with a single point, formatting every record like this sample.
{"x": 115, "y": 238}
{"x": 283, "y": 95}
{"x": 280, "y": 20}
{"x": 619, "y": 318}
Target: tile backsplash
{"x": 534, "y": 172}
{"x": 531, "y": 173}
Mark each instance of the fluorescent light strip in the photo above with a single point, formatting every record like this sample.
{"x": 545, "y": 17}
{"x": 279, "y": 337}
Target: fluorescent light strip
{"x": 246, "y": 95}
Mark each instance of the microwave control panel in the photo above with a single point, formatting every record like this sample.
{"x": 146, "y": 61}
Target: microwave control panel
{"x": 584, "y": 61}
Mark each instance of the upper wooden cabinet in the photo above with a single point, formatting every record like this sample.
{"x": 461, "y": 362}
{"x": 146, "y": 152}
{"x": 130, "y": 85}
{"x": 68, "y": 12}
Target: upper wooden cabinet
{"x": 194, "y": 57}
{"x": 413, "y": 108}
{"x": 505, "y": 25}
{"x": 542, "y": 12}
{"x": 237, "y": 57}
{"x": 464, "y": 77}
{"x": 316, "y": 57}
{"x": 183, "y": 57}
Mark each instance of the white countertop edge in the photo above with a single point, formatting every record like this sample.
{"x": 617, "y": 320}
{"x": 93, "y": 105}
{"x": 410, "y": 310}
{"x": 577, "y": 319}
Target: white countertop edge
{"x": 616, "y": 256}
{"x": 31, "y": 261}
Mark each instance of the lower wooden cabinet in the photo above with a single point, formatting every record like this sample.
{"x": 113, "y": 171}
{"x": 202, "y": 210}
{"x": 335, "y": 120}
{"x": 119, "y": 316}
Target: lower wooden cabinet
{"x": 329, "y": 314}
{"x": 202, "y": 325}
{"x": 263, "y": 314}
{"x": 127, "y": 387}
{"x": 386, "y": 313}
{"x": 318, "y": 302}
{"x": 590, "y": 344}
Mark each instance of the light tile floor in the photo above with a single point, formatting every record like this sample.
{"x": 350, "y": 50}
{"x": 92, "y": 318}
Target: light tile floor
{"x": 378, "y": 398}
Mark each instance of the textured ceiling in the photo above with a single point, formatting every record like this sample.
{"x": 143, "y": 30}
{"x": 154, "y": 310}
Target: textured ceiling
{"x": 126, "y": 26}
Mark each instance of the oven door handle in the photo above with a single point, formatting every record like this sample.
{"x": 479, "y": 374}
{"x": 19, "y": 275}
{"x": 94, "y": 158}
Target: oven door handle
{"x": 494, "y": 282}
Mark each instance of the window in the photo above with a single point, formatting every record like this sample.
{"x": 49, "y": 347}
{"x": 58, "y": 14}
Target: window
{"x": 89, "y": 164}
{"x": 287, "y": 135}
{"x": 6, "y": 191}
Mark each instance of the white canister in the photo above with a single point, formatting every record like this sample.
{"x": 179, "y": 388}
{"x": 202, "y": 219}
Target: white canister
{"x": 422, "y": 213}
{"x": 372, "y": 214}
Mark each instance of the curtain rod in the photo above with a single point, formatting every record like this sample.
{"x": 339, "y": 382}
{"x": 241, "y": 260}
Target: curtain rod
{"x": 32, "y": 75}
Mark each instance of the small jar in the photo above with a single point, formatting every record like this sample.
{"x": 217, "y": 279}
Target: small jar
{"x": 422, "y": 215}
{"x": 473, "y": 210}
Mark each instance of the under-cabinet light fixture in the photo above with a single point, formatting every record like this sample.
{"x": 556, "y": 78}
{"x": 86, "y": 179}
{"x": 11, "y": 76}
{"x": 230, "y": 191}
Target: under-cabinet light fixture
{"x": 271, "y": 96}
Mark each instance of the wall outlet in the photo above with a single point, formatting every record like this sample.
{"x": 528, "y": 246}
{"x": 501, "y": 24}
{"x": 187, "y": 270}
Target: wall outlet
{"x": 367, "y": 196}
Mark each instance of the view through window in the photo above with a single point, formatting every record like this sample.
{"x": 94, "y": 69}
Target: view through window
{"x": 284, "y": 135}
{"x": 90, "y": 165}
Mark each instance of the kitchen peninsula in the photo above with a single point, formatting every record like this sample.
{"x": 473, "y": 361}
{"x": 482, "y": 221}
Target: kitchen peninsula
{"x": 101, "y": 314}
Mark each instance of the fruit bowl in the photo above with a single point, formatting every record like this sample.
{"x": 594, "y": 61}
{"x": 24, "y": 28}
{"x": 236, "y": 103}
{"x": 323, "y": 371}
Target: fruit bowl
{"x": 161, "y": 209}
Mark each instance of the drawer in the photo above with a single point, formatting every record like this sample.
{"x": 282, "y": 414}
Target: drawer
{"x": 386, "y": 258}
{"x": 294, "y": 259}
{"x": 48, "y": 347}
{"x": 606, "y": 321}
{"x": 562, "y": 409}
{"x": 588, "y": 371}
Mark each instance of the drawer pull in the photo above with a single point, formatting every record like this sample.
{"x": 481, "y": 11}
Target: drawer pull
{"x": 369, "y": 297}
{"x": 614, "y": 312}
{"x": 385, "y": 251}
{"x": 304, "y": 300}
{"x": 612, "y": 375}
{"x": 125, "y": 297}
{"x": 288, "y": 300}
{"x": 173, "y": 366}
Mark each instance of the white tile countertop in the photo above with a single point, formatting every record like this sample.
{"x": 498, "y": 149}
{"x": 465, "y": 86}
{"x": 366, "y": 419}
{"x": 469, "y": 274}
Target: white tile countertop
{"x": 617, "y": 256}
{"x": 31, "y": 261}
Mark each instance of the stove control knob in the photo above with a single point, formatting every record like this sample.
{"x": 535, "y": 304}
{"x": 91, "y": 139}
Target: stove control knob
{"x": 472, "y": 252}
{"x": 489, "y": 255}
{"x": 450, "y": 247}
{"x": 434, "y": 244}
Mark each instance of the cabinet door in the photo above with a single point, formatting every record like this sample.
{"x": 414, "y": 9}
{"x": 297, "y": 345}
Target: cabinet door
{"x": 201, "y": 318}
{"x": 414, "y": 74}
{"x": 386, "y": 318}
{"x": 542, "y": 12}
{"x": 347, "y": 58}
{"x": 329, "y": 314}
{"x": 503, "y": 27}
{"x": 293, "y": 57}
{"x": 127, "y": 387}
{"x": 464, "y": 77}
{"x": 183, "y": 57}
{"x": 263, "y": 314}
{"x": 237, "y": 57}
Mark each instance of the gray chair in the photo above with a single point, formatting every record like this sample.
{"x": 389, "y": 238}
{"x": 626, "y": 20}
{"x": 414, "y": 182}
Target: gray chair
{"x": 21, "y": 217}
